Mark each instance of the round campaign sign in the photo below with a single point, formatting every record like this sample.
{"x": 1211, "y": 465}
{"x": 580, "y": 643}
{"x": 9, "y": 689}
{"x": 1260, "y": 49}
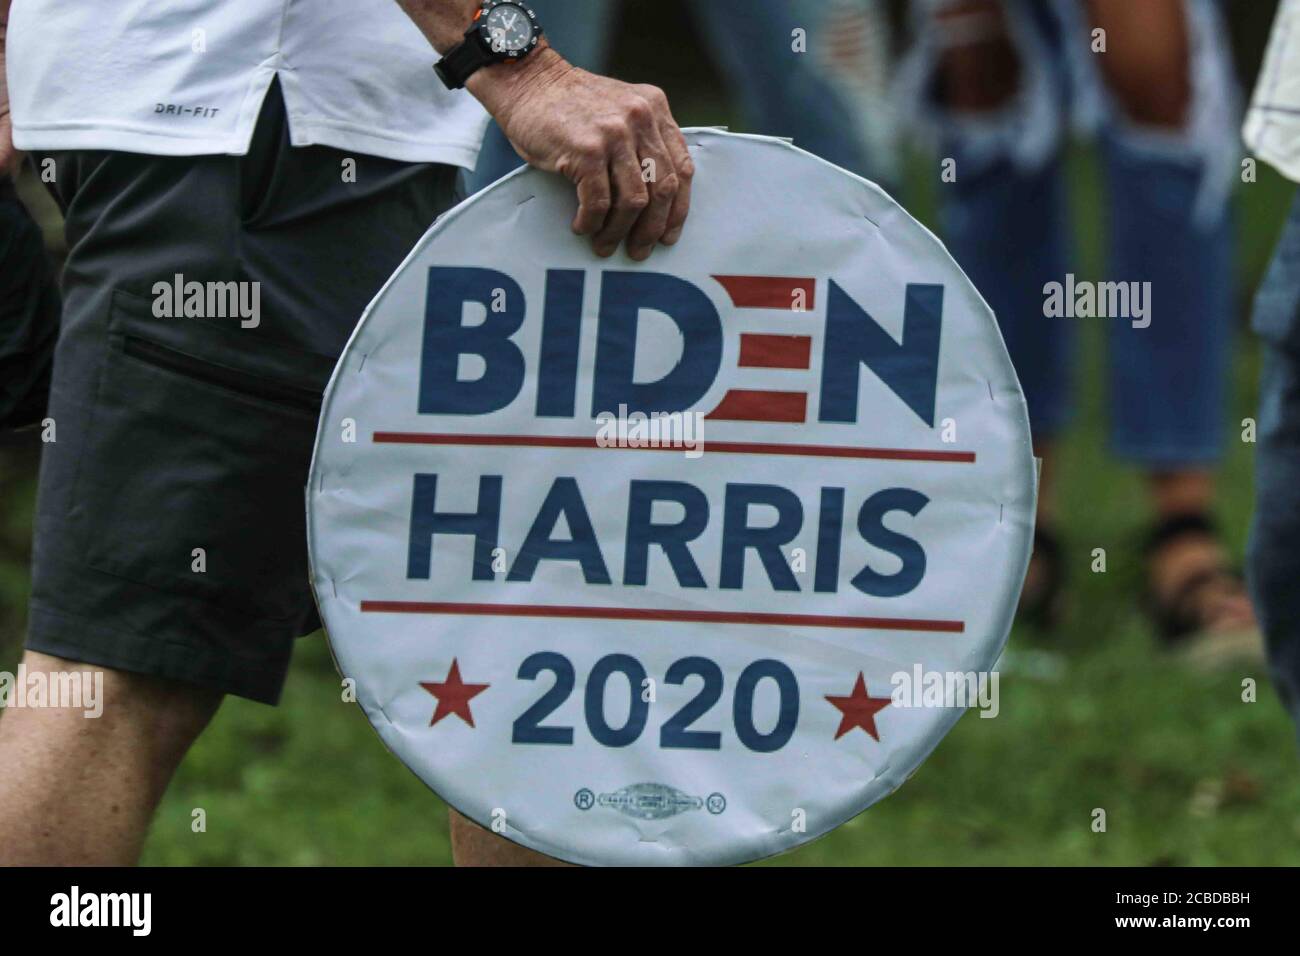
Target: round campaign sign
{"x": 659, "y": 562}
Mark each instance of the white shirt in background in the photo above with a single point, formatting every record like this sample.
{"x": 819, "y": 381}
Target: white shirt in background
{"x": 1272, "y": 129}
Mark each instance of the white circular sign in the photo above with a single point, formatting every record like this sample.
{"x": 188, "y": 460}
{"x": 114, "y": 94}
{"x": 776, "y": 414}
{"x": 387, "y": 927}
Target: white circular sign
{"x": 655, "y": 563}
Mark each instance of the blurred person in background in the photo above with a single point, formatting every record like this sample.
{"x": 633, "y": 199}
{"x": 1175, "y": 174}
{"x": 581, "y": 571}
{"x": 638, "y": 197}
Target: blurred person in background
{"x": 998, "y": 84}
{"x": 1272, "y": 131}
{"x": 29, "y": 325}
{"x": 29, "y": 299}
{"x": 816, "y": 71}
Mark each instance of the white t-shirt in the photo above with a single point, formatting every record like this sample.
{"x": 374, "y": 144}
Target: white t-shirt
{"x": 1272, "y": 129}
{"x": 187, "y": 77}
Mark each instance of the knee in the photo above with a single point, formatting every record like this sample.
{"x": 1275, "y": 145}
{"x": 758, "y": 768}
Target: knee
{"x": 1147, "y": 61}
{"x": 1151, "y": 92}
{"x": 146, "y": 721}
{"x": 166, "y": 717}
{"x": 979, "y": 69}
{"x": 471, "y": 845}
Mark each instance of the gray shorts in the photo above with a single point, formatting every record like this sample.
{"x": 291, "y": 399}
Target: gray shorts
{"x": 170, "y": 536}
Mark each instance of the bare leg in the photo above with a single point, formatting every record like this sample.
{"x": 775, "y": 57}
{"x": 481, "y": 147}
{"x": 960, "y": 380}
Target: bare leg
{"x": 81, "y": 791}
{"x": 471, "y": 845}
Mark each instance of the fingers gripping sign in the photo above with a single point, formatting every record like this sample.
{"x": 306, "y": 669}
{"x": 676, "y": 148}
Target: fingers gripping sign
{"x": 600, "y": 134}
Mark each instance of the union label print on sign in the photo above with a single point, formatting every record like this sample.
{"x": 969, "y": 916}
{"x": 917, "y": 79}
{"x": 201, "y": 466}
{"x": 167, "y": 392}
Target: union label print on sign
{"x": 632, "y": 551}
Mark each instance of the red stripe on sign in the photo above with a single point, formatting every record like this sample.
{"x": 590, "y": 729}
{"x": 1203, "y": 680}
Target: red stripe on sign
{"x": 769, "y": 292}
{"x": 724, "y": 447}
{"x": 752, "y": 405}
{"x": 775, "y": 351}
{"x": 660, "y": 614}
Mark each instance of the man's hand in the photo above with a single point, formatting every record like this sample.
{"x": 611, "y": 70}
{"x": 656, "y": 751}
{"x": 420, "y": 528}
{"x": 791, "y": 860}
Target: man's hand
{"x": 617, "y": 142}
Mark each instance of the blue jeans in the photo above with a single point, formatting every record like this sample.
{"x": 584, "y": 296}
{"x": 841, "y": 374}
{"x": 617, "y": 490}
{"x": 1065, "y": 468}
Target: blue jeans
{"x": 1006, "y": 222}
{"x": 1273, "y": 555}
{"x": 781, "y": 92}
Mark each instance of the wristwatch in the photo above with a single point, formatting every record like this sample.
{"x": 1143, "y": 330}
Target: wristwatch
{"x": 503, "y": 31}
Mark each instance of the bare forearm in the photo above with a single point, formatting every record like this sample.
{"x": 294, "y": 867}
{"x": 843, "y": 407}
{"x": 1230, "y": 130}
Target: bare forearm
{"x": 444, "y": 22}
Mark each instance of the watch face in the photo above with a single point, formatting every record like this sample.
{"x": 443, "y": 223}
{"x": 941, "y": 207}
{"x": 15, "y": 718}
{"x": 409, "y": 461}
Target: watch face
{"x": 509, "y": 28}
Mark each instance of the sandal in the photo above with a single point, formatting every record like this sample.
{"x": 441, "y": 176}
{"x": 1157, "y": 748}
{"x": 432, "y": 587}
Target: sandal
{"x": 1182, "y": 617}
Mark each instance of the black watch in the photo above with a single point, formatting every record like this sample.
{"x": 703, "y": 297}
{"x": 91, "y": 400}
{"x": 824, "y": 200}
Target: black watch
{"x": 503, "y": 31}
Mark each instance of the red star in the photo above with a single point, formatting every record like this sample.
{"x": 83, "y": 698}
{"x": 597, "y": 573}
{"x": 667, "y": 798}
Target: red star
{"x": 858, "y": 709}
{"x": 453, "y": 695}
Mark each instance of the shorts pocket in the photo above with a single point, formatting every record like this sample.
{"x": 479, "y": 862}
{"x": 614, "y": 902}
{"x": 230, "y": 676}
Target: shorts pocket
{"x": 192, "y": 477}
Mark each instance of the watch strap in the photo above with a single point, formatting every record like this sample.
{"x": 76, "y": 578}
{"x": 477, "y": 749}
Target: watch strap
{"x": 462, "y": 61}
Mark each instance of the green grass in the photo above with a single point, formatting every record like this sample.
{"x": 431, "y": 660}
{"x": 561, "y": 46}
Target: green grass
{"x": 1186, "y": 771}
